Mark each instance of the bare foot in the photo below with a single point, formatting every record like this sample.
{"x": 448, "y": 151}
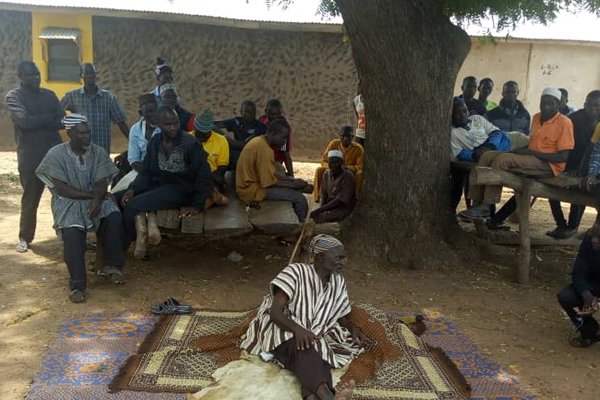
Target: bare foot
{"x": 346, "y": 390}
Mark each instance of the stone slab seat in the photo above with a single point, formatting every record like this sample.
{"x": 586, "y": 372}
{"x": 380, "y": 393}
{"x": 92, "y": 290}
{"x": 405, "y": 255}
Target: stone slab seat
{"x": 273, "y": 218}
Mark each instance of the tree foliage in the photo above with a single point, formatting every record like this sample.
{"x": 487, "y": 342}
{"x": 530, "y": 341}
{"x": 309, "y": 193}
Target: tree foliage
{"x": 506, "y": 13}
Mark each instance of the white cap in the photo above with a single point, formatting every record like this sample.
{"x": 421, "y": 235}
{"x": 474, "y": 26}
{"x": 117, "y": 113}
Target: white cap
{"x": 552, "y": 91}
{"x": 335, "y": 153}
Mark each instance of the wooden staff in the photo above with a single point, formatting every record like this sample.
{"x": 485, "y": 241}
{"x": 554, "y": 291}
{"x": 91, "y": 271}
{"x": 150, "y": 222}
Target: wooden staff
{"x": 302, "y": 231}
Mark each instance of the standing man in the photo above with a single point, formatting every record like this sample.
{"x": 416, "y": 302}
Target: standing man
{"x": 485, "y": 89}
{"x": 565, "y": 108}
{"x": 36, "y": 114}
{"x": 469, "y": 88}
{"x": 77, "y": 173}
{"x": 273, "y": 111}
{"x": 511, "y": 115}
{"x": 244, "y": 128}
{"x": 361, "y": 120}
{"x": 99, "y": 106}
{"x": 584, "y": 122}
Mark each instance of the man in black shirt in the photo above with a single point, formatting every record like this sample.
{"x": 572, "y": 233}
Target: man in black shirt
{"x": 469, "y": 89}
{"x": 584, "y": 123}
{"x": 36, "y": 115}
{"x": 580, "y": 298}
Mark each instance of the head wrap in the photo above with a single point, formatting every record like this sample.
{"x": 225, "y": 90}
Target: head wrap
{"x": 146, "y": 98}
{"x": 167, "y": 86}
{"x": 204, "y": 120}
{"x": 554, "y": 92}
{"x": 335, "y": 153}
{"x": 69, "y": 121}
{"x": 322, "y": 243}
{"x": 162, "y": 66}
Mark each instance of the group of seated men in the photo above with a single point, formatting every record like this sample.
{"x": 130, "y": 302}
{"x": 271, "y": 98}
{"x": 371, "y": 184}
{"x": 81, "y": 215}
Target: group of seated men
{"x": 507, "y": 137}
{"x": 175, "y": 160}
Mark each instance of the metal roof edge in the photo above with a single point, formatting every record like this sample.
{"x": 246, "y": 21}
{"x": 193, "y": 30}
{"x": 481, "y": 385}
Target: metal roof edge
{"x": 504, "y": 39}
{"x": 178, "y": 17}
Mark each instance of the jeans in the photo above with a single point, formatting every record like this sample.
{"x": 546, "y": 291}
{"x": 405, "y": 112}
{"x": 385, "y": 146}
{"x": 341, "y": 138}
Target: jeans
{"x": 33, "y": 189}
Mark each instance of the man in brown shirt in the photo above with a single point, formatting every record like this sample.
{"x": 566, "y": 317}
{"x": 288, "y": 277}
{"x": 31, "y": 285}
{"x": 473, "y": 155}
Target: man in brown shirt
{"x": 256, "y": 178}
{"x": 338, "y": 191}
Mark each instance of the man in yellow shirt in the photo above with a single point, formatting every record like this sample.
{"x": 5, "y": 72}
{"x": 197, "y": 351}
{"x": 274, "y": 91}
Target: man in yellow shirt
{"x": 256, "y": 178}
{"x": 217, "y": 149}
{"x": 353, "y": 156}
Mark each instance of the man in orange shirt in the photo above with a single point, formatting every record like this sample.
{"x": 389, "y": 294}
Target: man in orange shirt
{"x": 547, "y": 153}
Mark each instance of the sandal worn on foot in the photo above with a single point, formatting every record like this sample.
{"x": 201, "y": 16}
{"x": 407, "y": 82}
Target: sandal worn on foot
{"x": 583, "y": 342}
{"x": 77, "y": 296}
{"x": 171, "y": 306}
{"x": 114, "y": 274}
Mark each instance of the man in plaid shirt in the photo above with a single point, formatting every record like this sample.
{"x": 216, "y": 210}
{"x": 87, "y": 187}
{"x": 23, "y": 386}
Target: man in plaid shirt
{"x": 98, "y": 105}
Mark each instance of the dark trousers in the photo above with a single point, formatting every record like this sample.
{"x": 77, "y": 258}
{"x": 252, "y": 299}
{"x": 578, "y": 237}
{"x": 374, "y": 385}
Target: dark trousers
{"x": 308, "y": 366}
{"x": 569, "y": 298}
{"x": 164, "y": 197}
{"x": 335, "y": 215}
{"x": 298, "y": 200}
{"x": 33, "y": 189}
{"x": 575, "y": 215}
{"x": 459, "y": 178}
{"x": 505, "y": 211}
{"x": 110, "y": 236}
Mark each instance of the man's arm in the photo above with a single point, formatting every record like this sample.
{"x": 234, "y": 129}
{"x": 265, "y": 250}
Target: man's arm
{"x": 118, "y": 116}
{"x": 358, "y": 337}
{"x": 22, "y": 118}
{"x": 203, "y": 186}
{"x": 124, "y": 128}
{"x": 333, "y": 204}
{"x": 67, "y": 103}
{"x": 63, "y": 189}
{"x": 304, "y": 337}
{"x": 289, "y": 165}
{"x": 99, "y": 193}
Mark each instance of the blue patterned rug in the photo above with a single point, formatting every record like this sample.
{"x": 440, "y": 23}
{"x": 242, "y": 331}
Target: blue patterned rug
{"x": 89, "y": 350}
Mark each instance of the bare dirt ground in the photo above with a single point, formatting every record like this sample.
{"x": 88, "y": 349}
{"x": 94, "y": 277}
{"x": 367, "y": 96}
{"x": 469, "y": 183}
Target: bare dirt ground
{"x": 521, "y": 327}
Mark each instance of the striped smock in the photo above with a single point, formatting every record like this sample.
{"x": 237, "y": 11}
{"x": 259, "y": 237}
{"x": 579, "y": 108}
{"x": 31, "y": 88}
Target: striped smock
{"x": 312, "y": 305}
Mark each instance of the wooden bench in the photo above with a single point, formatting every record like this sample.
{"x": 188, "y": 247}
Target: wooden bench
{"x": 561, "y": 188}
{"x": 235, "y": 219}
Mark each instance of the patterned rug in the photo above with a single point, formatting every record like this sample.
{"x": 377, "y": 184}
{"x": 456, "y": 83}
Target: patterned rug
{"x": 89, "y": 349}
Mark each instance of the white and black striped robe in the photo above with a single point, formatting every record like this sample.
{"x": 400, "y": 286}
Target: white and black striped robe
{"x": 312, "y": 306}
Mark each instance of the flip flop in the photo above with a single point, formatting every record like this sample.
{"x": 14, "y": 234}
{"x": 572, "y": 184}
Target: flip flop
{"x": 171, "y": 306}
{"x": 77, "y": 296}
{"x": 113, "y": 274}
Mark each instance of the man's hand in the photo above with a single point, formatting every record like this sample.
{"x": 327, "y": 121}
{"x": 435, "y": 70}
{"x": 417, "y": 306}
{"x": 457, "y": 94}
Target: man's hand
{"x": 126, "y": 197}
{"x": 359, "y": 338}
{"x": 314, "y": 213}
{"x": 94, "y": 208}
{"x": 186, "y": 212}
{"x": 298, "y": 183}
{"x": 304, "y": 338}
{"x": 590, "y": 304}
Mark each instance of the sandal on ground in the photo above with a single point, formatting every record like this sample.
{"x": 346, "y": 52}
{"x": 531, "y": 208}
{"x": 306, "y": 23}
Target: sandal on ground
{"x": 171, "y": 306}
{"x": 22, "y": 246}
{"x": 582, "y": 342}
{"x": 113, "y": 274}
{"x": 77, "y": 296}
{"x": 556, "y": 232}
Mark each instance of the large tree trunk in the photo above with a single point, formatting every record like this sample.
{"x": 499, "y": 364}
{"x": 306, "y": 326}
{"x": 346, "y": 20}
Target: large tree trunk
{"x": 407, "y": 55}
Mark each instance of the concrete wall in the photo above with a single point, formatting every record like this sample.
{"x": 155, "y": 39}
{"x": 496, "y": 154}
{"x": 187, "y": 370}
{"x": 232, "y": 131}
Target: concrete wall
{"x": 15, "y": 45}
{"x": 536, "y": 65}
{"x": 312, "y": 73}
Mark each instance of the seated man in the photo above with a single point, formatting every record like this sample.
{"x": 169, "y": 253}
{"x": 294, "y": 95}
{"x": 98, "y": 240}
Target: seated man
{"x": 546, "y": 155}
{"x": 243, "y": 128}
{"x": 273, "y": 111}
{"x": 584, "y": 122}
{"x": 580, "y": 298}
{"x": 139, "y": 136}
{"x": 170, "y": 98}
{"x": 77, "y": 173}
{"x": 175, "y": 174}
{"x": 470, "y": 137}
{"x": 469, "y": 88}
{"x": 217, "y": 148}
{"x": 353, "y": 155}
{"x": 302, "y": 321}
{"x": 565, "y": 108}
{"x": 256, "y": 178}
{"x": 511, "y": 115}
{"x": 338, "y": 191}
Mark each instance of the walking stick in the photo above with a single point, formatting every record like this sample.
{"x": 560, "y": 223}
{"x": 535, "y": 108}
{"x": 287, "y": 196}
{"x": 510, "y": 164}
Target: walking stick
{"x": 304, "y": 225}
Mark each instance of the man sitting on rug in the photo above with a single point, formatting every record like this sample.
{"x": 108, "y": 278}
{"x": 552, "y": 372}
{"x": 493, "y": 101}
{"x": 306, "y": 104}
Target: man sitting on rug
{"x": 77, "y": 173}
{"x": 338, "y": 191}
{"x": 580, "y": 298}
{"x": 217, "y": 148}
{"x": 302, "y": 322}
{"x": 352, "y": 152}
{"x": 256, "y": 178}
{"x": 175, "y": 174}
